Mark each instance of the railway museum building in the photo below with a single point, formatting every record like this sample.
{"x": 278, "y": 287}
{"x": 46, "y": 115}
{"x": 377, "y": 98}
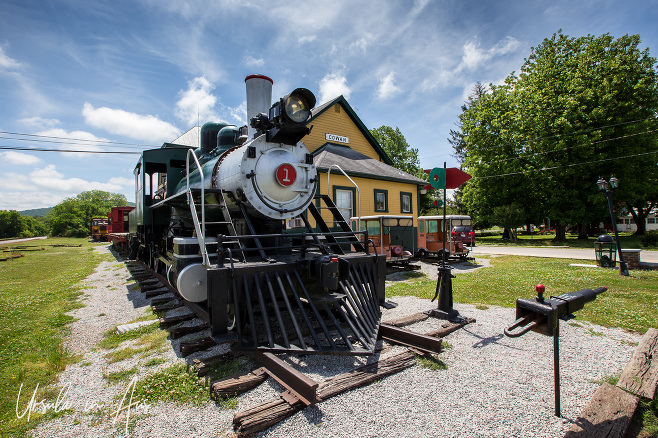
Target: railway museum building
{"x": 342, "y": 145}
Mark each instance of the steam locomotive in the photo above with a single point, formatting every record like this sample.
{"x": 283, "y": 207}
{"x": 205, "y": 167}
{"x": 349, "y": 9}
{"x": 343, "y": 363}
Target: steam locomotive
{"x": 211, "y": 220}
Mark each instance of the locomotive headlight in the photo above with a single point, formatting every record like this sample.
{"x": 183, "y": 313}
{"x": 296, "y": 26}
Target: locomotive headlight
{"x": 297, "y": 106}
{"x": 289, "y": 115}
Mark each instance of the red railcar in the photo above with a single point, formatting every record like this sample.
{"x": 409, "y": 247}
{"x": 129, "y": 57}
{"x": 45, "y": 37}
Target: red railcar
{"x": 118, "y": 229}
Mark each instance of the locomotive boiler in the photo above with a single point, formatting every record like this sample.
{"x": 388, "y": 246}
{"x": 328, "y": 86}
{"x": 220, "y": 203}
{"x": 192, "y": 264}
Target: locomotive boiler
{"x": 212, "y": 221}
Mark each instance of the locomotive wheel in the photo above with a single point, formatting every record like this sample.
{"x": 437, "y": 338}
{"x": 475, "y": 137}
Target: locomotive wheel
{"x": 231, "y": 316}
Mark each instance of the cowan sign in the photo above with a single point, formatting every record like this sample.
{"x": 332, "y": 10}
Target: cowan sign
{"x": 338, "y": 138}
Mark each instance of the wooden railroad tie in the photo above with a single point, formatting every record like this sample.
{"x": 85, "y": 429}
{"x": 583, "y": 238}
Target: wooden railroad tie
{"x": 204, "y": 365}
{"x": 161, "y": 300}
{"x": 155, "y": 292}
{"x": 233, "y": 386}
{"x": 641, "y": 374}
{"x": 170, "y": 304}
{"x": 189, "y": 347}
{"x": 179, "y": 331}
{"x": 169, "y": 320}
{"x": 609, "y": 412}
{"x": 258, "y": 418}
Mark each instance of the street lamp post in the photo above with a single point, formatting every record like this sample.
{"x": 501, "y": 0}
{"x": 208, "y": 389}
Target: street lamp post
{"x": 603, "y": 186}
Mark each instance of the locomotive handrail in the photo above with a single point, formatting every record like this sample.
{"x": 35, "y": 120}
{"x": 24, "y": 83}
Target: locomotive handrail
{"x": 200, "y": 231}
{"x": 358, "y": 192}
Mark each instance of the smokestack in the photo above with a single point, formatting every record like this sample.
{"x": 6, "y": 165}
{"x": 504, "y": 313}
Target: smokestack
{"x": 259, "y": 98}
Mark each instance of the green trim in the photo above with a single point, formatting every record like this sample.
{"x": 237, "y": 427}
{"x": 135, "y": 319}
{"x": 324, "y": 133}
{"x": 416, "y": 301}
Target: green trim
{"x": 411, "y": 203}
{"x": 385, "y": 193}
{"x": 359, "y": 124}
{"x": 351, "y": 189}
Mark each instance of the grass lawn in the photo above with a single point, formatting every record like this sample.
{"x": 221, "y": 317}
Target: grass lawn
{"x": 628, "y": 240}
{"x": 35, "y": 293}
{"x": 630, "y": 302}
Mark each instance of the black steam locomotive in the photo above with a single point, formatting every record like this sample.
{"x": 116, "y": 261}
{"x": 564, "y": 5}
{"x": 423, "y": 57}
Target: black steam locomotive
{"x": 212, "y": 221}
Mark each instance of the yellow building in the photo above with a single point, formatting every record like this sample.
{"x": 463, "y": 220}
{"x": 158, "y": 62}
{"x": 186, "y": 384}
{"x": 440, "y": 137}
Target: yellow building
{"x": 341, "y": 144}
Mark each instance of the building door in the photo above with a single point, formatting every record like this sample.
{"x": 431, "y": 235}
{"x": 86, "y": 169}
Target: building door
{"x": 344, "y": 203}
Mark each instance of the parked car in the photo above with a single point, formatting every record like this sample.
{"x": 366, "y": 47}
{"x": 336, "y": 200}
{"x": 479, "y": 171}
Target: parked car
{"x": 463, "y": 233}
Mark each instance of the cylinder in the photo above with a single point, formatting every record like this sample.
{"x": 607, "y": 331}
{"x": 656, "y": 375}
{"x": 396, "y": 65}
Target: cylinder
{"x": 259, "y": 98}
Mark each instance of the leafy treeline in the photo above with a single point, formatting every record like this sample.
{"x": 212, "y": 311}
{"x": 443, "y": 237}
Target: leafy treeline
{"x": 13, "y": 224}
{"x": 580, "y": 109}
{"x": 70, "y": 218}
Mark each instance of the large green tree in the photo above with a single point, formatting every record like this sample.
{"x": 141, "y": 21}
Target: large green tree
{"x": 404, "y": 157}
{"x": 72, "y": 217}
{"x": 579, "y": 109}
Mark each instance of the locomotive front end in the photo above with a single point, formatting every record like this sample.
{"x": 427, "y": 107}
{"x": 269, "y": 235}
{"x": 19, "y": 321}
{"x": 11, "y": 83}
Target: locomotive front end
{"x": 226, "y": 248}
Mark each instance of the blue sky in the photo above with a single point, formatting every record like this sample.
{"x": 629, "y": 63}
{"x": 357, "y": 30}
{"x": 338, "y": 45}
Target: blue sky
{"x": 130, "y": 75}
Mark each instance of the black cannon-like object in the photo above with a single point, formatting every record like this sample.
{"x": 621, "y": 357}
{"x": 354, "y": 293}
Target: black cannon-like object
{"x": 543, "y": 316}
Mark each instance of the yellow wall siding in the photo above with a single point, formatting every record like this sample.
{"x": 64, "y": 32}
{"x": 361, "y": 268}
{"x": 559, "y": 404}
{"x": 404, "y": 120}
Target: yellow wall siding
{"x": 338, "y": 123}
{"x": 367, "y": 188}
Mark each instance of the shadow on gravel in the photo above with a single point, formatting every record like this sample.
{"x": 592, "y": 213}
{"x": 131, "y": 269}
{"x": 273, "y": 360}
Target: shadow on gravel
{"x": 134, "y": 295}
{"x": 489, "y": 340}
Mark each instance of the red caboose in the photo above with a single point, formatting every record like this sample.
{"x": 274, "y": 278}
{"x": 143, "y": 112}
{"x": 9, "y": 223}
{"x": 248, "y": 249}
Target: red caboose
{"x": 118, "y": 229}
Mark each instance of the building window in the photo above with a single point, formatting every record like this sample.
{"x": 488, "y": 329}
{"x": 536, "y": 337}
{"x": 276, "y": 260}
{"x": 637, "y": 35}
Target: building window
{"x": 344, "y": 199}
{"x": 381, "y": 200}
{"x": 651, "y": 220}
{"x": 405, "y": 202}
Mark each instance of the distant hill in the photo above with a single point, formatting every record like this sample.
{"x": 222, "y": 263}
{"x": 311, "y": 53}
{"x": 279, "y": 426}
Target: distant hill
{"x": 44, "y": 211}
{"x": 36, "y": 212}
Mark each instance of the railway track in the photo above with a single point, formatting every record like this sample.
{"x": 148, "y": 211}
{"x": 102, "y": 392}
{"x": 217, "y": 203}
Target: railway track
{"x": 299, "y": 390}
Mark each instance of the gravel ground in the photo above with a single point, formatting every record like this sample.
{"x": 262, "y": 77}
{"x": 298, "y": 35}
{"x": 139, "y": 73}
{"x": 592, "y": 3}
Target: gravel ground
{"x": 493, "y": 386}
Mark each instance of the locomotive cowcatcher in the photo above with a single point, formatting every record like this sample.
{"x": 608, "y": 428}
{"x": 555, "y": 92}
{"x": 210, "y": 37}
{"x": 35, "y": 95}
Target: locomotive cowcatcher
{"x": 211, "y": 220}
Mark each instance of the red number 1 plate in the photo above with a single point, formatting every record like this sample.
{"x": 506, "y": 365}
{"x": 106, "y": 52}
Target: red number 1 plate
{"x": 286, "y": 174}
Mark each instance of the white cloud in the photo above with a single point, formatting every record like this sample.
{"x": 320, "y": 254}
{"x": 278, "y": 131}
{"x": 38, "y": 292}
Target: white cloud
{"x": 8, "y": 63}
{"x": 74, "y": 140}
{"x": 387, "y": 87}
{"x": 46, "y": 187}
{"x": 239, "y": 114}
{"x": 333, "y": 85}
{"x": 197, "y": 103}
{"x": 39, "y": 122}
{"x": 13, "y": 181}
{"x": 474, "y": 56}
{"x": 24, "y": 201}
{"x": 19, "y": 158}
{"x": 50, "y": 179}
{"x": 307, "y": 39}
{"x": 122, "y": 181}
{"x": 507, "y": 45}
{"x": 145, "y": 128}
{"x": 361, "y": 44}
{"x": 250, "y": 61}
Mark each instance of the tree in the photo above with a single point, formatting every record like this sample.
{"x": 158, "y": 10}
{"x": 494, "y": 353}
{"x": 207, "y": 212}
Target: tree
{"x": 404, "y": 157}
{"x": 72, "y": 217}
{"x": 580, "y": 108}
{"x": 11, "y": 224}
